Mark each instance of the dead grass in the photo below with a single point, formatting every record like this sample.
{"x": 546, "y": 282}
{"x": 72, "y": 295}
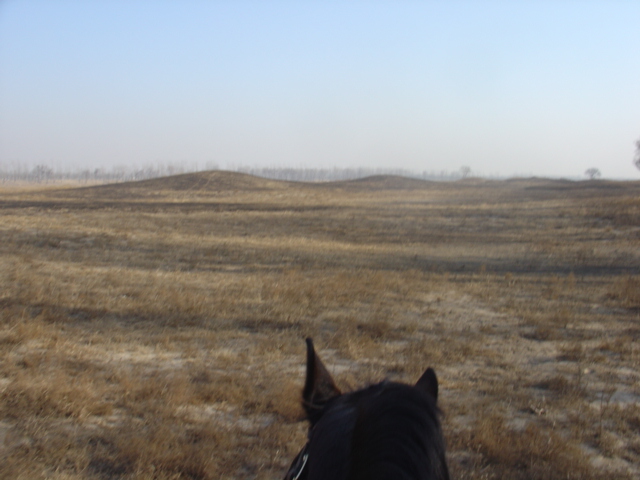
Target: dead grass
{"x": 155, "y": 330}
{"x": 626, "y": 291}
{"x": 530, "y": 452}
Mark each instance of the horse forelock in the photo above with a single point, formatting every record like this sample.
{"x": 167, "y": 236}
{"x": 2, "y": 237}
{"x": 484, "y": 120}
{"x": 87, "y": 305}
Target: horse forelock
{"x": 397, "y": 435}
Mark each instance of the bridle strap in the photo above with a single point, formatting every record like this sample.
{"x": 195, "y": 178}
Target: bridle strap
{"x": 305, "y": 457}
{"x": 299, "y": 464}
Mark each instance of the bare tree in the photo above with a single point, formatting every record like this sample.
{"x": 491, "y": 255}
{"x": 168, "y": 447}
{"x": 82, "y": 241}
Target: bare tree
{"x": 592, "y": 173}
{"x": 465, "y": 171}
{"x": 636, "y": 159}
{"x": 41, "y": 173}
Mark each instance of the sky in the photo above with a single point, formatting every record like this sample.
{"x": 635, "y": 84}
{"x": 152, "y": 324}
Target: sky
{"x": 533, "y": 87}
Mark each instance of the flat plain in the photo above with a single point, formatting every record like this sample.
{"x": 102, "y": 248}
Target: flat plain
{"x": 156, "y": 329}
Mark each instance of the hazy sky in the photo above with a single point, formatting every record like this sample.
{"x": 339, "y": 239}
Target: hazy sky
{"x": 535, "y": 87}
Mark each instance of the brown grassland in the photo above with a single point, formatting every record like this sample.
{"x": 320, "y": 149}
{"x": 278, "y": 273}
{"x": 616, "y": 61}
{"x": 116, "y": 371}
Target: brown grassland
{"x": 156, "y": 329}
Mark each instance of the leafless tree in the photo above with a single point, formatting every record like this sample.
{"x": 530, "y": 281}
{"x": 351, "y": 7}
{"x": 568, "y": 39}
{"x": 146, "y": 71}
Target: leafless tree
{"x": 636, "y": 159}
{"x": 41, "y": 173}
{"x": 592, "y": 173}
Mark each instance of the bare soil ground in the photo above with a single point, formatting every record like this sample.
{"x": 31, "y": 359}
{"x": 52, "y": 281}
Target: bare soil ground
{"x": 155, "y": 329}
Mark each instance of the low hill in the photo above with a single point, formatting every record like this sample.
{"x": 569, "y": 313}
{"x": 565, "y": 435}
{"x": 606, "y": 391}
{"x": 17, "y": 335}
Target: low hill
{"x": 383, "y": 182}
{"x": 210, "y": 182}
{"x": 225, "y": 184}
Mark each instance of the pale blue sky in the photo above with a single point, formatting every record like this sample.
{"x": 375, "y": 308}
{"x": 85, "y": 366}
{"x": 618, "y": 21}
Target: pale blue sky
{"x": 546, "y": 88}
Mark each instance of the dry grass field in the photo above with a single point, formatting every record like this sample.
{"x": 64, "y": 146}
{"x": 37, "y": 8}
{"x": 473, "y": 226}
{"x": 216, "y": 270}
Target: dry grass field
{"x": 155, "y": 330}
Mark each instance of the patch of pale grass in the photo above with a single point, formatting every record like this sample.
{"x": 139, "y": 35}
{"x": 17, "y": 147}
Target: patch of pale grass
{"x": 530, "y": 452}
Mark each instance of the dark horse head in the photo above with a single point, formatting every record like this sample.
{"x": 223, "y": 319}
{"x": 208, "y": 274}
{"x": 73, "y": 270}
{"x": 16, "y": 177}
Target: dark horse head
{"x": 385, "y": 431}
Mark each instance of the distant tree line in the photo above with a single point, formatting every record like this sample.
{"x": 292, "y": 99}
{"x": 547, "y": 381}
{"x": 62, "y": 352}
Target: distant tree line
{"x": 337, "y": 174}
{"x": 45, "y": 174}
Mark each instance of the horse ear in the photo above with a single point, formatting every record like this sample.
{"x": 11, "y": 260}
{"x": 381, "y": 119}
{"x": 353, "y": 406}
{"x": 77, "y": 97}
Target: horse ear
{"x": 428, "y": 383}
{"x": 319, "y": 387}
